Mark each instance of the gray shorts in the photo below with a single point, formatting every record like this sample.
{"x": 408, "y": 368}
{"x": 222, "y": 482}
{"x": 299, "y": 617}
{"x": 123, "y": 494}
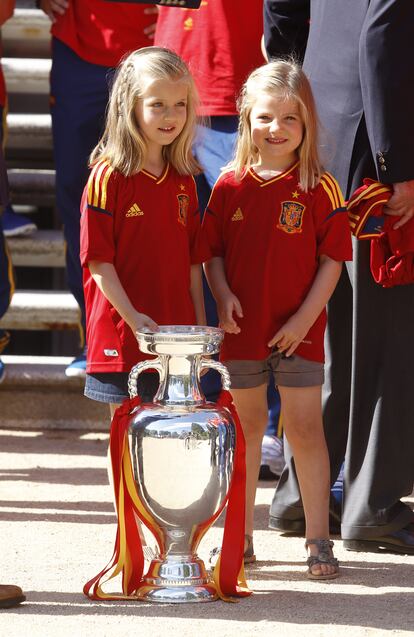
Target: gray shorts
{"x": 293, "y": 371}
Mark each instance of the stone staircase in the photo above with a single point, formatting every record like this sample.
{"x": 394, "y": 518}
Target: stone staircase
{"x": 43, "y": 314}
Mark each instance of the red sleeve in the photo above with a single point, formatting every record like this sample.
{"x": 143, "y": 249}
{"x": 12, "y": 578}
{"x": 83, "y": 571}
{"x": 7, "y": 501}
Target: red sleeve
{"x": 212, "y": 227}
{"x": 333, "y": 233}
{"x": 97, "y": 215}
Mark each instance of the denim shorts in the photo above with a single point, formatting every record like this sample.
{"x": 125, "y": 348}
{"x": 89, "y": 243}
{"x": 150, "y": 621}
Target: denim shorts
{"x": 112, "y": 387}
{"x": 292, "y": 371}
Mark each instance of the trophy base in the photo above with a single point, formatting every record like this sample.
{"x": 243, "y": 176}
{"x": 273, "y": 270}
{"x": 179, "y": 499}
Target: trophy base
{"x": 176, "y": 594}
{"x": 177, "y": 580}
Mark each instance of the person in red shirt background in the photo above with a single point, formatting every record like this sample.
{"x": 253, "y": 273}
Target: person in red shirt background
{"x": 6, "y": 270}
{"x": 10, "y": 595}
{"x": 89, "y": 39}
{"x": 12, "y": 224}
{"x": 221, "y": 49}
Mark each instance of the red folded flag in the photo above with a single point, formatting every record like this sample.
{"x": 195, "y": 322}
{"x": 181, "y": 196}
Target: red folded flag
{"x": 392, "y": 250}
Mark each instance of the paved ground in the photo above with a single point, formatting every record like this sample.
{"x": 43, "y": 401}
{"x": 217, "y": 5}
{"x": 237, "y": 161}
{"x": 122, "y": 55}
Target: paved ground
{"x": 57, "y": 529}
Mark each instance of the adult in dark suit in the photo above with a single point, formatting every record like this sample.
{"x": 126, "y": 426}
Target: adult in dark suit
{"x": 359, "y": 57}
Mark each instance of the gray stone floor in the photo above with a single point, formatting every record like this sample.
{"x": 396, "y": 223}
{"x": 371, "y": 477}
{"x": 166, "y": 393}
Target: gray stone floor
{"x": 57, "y": 530}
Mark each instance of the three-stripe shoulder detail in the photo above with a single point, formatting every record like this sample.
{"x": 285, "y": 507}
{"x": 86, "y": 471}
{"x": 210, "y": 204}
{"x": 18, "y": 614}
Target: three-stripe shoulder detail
{"x": 332, "y": 189}
{"x": 98, "y": 184}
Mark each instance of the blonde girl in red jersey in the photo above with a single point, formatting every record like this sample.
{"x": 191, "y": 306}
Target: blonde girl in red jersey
{"x": 279, "y": 234}
{"x": 140, "y": 220}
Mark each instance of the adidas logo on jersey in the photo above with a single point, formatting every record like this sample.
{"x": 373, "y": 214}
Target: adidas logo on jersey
{"x": 134, "y": 211}
{"x": 238, "y": 215}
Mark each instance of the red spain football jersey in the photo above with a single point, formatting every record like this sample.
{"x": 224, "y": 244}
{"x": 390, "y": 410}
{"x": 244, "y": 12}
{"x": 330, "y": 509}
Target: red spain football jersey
{"x": 102, "y": 32}
{"x": 270, "y": 234}
{"x": 148, "y": 228}
{"x": 221, "y": 44}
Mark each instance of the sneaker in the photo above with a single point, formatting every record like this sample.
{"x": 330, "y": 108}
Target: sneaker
{"x": 2, "y": 371}
{"x": 266, "y": 474}
{"x": 15, "y": 225}
{"x": 77, "y": 368}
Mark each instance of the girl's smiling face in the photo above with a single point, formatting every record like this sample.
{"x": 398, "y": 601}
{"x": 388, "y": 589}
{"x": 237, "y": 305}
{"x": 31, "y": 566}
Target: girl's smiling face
{"x": 161, "y": 112}
{"x": 276, "y": 130}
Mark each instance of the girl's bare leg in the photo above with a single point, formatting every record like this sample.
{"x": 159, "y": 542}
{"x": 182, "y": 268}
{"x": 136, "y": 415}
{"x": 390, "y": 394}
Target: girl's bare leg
{"x": 302, "y": 420}
{"x": 251, "y": 405}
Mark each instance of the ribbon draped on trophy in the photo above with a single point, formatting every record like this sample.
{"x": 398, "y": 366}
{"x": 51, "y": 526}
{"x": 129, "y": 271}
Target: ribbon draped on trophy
{"x": 177, "y": 462}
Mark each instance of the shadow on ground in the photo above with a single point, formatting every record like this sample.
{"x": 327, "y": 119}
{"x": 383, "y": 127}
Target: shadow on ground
{"x": 289, "y": 606}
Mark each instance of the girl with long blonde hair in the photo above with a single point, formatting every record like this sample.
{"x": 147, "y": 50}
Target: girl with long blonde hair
{"x": 140, "y": 220}
{"x": 278, "y": 234}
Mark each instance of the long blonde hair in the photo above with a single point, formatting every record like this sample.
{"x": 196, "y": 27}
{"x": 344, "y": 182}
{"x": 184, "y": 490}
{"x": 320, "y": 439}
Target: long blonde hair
{"x": 284, "y": 79}
{"x": 122, "y": 143}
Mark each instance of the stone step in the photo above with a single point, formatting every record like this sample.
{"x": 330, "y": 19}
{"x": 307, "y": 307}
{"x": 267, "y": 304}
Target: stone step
{"x": 42, "y": 249}
{"x": 36, "y": 394}
{"x": 32, "y": 186}
{"x": 27, "y": 34}
{"x": 41, "y": 310}
{"x": 29, "y": 131}
{"x": 26, "y": 75}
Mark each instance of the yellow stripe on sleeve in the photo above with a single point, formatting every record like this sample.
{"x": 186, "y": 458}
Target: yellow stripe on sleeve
{"x": 328, "y": 191}
{"x": 97, "y": 184}
{"x": 91, "y": 182}
{"x": 335, "y": 189}
{"x": 105, "y": 186}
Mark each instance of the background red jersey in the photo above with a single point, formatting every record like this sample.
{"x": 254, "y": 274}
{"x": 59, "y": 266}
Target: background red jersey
{"x": 102, "y": 32}
{"x": 221, "y": 44}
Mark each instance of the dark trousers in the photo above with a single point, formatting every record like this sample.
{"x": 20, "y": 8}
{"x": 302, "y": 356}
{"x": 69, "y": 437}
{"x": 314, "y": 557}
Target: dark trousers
{"x": 368, "y": 396}
{"x": 79, "y": 95}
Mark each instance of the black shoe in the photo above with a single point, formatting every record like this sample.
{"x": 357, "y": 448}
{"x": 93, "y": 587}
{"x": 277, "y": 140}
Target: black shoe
{"x": 401, "y": 542}
{"x": 297, "y": 527}
{"x": 284, "y": 525}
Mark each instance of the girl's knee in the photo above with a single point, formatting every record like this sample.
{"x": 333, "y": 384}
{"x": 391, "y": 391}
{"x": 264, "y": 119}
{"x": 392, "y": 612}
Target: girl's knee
{"x": 303, "y": 431}
{"x": 254, "y": 426}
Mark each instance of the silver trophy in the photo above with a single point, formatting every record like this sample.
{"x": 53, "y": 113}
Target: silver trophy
{"x": 182, "y": 453}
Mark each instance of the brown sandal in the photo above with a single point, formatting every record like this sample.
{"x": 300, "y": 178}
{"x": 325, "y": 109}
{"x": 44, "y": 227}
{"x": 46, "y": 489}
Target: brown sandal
{"x": 324, "y": 556}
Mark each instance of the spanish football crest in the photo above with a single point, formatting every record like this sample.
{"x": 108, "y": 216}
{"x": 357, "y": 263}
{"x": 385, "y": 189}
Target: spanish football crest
{"x": 183, "y": 203}
{"x": 290, "y": 219}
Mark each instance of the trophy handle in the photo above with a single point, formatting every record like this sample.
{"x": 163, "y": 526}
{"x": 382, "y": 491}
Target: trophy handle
{"x": 138, "y": 369}
{"x": 210, "y": 363}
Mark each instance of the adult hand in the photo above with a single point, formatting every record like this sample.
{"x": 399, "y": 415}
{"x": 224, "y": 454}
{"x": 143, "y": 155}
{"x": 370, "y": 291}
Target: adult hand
{"x": 401, "y": 203}
{"x": 150, "y": 30}
{"x": 225, "y": 308}
{"x": 52, "y": 7}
